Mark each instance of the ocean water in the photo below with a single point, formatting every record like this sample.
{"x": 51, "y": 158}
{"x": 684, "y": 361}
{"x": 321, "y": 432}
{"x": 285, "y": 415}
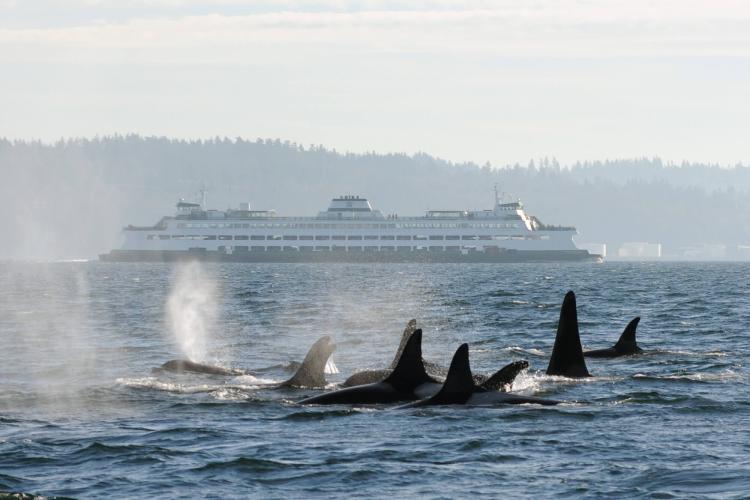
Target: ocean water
{"x": 82, "y": 414}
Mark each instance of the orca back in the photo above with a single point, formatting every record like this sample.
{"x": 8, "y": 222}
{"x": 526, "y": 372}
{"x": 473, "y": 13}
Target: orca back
{"x": 504, "y": 376}
{"x": 567, "y": 355}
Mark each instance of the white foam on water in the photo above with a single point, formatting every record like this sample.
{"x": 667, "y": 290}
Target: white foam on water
{"x": 521, "y": 350}
{"x": 694, "y": 377}
{"x": 160, "y": 385}
{"x": 250, "y": 381}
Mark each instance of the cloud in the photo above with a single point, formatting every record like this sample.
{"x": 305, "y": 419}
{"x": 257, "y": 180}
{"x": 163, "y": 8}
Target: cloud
{"x": 560, "y": 29}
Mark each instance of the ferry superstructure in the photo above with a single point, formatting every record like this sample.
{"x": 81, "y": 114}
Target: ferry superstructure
{"x": 350, "y": 230}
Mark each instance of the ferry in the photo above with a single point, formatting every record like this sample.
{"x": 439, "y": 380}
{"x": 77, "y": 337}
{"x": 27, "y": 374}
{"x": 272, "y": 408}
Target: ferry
{"x": 350, "y": 230}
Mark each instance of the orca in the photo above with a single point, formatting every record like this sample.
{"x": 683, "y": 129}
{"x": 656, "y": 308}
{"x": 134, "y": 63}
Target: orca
{"x": 309, "y": 374}
{"x": 459, "y": 388}
{"x": 407, "y": 382}
{"x": 497, "y": 381}
{"x": 626, "y": 346}
{"x": 567, "y": 354}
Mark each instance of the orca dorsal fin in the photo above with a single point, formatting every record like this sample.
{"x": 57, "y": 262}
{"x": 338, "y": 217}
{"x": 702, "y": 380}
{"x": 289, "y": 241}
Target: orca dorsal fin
{"x": 409, "y": 372}
{"x": 567, "y": 355}
{"x": 627, "y": 343}
{"x": 459, "y": 384}
{"x": 411, "y": 326}
{"x": 311, "y": 372}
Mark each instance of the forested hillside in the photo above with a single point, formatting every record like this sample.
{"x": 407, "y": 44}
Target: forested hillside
{"x": 69, "y": 199}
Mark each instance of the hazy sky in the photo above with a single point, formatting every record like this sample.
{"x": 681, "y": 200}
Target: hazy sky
{"x": 502, "y": 81}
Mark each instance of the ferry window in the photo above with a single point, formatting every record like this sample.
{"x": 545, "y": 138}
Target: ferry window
{"x": 151, "y": 237}
{"x": 306, "y": 249}
{"x": 290, "y": 238}
{"x": 436, "y": 237}
{"x": 387, "y": 249}
{"x": 500, "y": 237}
{"x": 273, "y": 249}
{"x": 240, "y": 249}
{"x": 468, "y": 237}
{"x": 387, "y": 237}
{"x": 403, "y": 238}
{"x": 257, "y": 237}
{"x": 339, "y": 248}
{"x": 355, "y": 249}
{"x": 211, "y": 237}
{"x": 257, "y": 249}
{"x": 225, "y": 237}
{"x": 306, "y": 237}
{"x": 322, "y": 249}
{"x": 273, "y": 237}
{"x": 163, "y": 236}
{"x": 371, "y": 249}
{"x": 485, "y": 237}
{"x": 245, "y": 226}
{"x": 436, "y": 249}
{"x": 289, "y": 249}
{"x": 319, "y": 238}
{"x": 181, "y": 225}
{"x": 241, "y": 237}
{"x": 371, "y": 237}
{"x": 354, "y": 238}
{"x": 420, "y": 237}
{"x": 453, "y": 237}
{"x": 338, "y": 237}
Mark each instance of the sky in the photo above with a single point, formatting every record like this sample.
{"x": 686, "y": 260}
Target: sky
{"x": 499, "y": 81}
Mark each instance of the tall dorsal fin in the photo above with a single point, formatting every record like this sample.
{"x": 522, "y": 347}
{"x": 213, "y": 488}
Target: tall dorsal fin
{"x": 409, "y": 372}
{"x": 311, "y": 372}
{"x": 411, "y": 326}
{"x": 567, "y": 355}
{"x": 459, "y": 384}
{"x": 627, "y": 341}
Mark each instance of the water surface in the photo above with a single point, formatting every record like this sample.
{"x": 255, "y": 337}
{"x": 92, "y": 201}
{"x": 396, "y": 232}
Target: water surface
{"x": 83, "y": 415}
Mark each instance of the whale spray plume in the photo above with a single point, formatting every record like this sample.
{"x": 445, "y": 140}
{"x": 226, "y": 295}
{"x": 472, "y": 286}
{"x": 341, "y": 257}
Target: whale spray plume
{"x": 191, "y": 309}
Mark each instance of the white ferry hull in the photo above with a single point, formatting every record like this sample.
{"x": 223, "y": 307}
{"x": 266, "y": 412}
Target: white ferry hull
{"x": 344, "y": 256}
